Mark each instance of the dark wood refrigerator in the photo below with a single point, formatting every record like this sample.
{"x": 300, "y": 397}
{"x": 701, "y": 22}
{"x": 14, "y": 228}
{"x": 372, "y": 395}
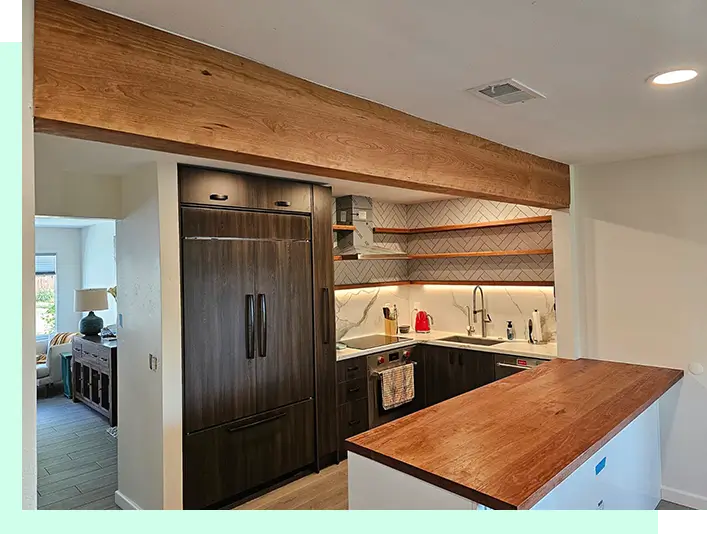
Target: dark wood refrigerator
{"x": 258, "y": 347}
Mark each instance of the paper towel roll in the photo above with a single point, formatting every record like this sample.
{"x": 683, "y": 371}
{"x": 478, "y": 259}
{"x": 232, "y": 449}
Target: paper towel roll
{"x": 537, "y": 328}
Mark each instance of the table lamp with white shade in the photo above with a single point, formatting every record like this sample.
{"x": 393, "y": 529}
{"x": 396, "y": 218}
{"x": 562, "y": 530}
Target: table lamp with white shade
{"x": 90, "y": 300}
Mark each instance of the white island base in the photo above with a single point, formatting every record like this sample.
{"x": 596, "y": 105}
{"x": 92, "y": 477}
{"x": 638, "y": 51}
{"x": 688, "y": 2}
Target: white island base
{"x": 624, "y": 474}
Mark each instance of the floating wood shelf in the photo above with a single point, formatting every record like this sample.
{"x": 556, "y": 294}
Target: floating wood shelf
{"x": 470, "y": 226}
{"x": 343, "y": 227}
{"x": 521, "y": 283}
{"x": 480, "y": 253}
{"x": 450, "y": 228}
{"x": 549, "y": 283}
{"x": 477, "y": 254}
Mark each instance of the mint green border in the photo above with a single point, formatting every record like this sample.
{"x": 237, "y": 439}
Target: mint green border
{"x": 11, "y": 273}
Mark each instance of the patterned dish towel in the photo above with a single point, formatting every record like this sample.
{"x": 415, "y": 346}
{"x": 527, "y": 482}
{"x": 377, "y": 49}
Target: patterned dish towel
{"x": 397, "y": 385}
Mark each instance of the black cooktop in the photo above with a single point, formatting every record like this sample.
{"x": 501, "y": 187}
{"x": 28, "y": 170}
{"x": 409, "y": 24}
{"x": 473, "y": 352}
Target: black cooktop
{"x": 378, "y": 340}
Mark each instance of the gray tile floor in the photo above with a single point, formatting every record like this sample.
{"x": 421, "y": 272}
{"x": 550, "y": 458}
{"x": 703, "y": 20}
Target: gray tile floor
{"x": 76, "y": 458}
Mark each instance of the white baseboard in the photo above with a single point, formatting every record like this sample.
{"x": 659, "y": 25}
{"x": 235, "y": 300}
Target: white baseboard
{"x": 682, "y": 497}
{"x": 124, "y": 503}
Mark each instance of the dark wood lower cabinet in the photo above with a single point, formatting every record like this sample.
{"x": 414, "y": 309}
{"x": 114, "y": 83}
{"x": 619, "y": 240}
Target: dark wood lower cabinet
{"x": 440, "y": 369}
{"x": 353, "y": 419}
{"x": 224, "y": 463}
{"x": 451, "y": 372}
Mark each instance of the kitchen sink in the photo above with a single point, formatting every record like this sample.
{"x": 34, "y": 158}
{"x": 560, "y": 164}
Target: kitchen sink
{"x": 472, "y": 340}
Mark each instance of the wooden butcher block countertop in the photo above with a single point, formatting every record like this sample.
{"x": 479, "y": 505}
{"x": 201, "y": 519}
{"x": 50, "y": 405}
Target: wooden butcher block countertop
{"x": 507, "y": 444}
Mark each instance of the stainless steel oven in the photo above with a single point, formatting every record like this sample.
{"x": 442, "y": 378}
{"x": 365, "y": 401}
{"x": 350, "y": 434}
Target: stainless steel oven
{"x": 509, "y": 365}
{"x": 377, "y": 362}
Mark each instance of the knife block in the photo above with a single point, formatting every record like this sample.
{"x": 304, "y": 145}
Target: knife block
{"x": 391, "y": 327}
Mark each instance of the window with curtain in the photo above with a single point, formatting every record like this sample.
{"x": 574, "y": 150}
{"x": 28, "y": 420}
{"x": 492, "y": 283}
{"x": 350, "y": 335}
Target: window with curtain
{"x": 45, "y": 294}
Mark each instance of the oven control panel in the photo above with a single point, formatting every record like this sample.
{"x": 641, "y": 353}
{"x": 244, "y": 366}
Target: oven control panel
{"x": 391, "y": 357}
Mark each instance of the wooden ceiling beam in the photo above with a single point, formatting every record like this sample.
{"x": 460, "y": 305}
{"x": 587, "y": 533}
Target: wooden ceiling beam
{"x": 104, "y": 78}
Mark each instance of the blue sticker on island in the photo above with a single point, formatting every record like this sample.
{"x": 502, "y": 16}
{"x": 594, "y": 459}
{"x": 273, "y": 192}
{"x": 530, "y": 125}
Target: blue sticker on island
{"x": 600, "y": 466}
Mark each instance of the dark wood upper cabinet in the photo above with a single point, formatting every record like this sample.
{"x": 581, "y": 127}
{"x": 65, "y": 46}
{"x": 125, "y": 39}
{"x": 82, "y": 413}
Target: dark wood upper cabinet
{"x": 283, "y": 309}
{"x": 219, "y": 368}
{"x": 212, "y": 187}
{"x": 208, "y": 222}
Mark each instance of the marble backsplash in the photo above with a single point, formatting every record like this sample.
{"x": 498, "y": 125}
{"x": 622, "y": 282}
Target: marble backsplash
{"x": 359, "y": 311}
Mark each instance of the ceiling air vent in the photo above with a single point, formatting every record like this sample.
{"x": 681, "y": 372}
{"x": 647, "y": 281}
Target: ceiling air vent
{"x": 504, "y": 92}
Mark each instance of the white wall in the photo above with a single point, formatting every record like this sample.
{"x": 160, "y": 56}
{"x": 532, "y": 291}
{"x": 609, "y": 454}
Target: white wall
{"x": 149, "y": 402}
{"x": 27, "y": 354}
{"x": 68, "y": 195}
{"x": 170, "y": 281}
{"x": 641, "y": 228}
{"x": 98, "y": 263}
{"x": 564, "y": 260}
{"x": 66, "y": 244}
{"x": 139, "y": 387}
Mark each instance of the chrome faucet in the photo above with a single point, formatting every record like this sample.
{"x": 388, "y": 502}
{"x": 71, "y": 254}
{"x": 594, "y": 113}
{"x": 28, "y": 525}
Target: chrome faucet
{"x": 485, "y": 318}
{"x": 469, "y": 327}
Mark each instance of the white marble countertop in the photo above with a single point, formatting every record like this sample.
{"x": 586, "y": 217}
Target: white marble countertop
{"x": 513, "y": 348}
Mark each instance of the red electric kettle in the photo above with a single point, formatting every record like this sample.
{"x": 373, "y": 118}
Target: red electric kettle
{"x": 422, "y": 321}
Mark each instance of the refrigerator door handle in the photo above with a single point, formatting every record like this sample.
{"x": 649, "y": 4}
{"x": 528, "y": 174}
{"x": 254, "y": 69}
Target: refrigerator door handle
{"x": 262, "y": 326}
{"x": 249, "y": 327}
{"x": 325, "y": 314}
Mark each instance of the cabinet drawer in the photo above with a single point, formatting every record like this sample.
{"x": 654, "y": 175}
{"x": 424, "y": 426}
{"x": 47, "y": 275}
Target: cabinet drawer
{"x": 350, "y": 369}
{"x": 353, "y": 419}
{"x": 352, "y": 390}
{"x": 226, "y": 462}
{"x": 221, "y": 188}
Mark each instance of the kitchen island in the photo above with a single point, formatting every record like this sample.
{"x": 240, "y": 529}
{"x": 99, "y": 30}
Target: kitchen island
{"x": 570, "y": 434}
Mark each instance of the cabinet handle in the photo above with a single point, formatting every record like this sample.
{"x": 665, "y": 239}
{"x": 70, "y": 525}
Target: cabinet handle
{"x": 354, "y": 390}
{"x": 353, "y": 368}
{"x": 325, "y": 315}
{"x": 283, "y": 203}
{"x": 354, "y": 422}
{"x": 220, "y": 198}
{"x": 451, "y": 358}
{"x": 249, "y": 330}
{"x": 262, "y": 326}
{"x": 460, "y": 359}
{"x": 262, "y": 421}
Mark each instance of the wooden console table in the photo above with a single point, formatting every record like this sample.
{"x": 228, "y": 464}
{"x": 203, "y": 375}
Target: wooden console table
{"x": 94, "y": 375}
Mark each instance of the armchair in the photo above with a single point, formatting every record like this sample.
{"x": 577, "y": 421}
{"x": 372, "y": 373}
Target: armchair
{"x": 49, "y": 372}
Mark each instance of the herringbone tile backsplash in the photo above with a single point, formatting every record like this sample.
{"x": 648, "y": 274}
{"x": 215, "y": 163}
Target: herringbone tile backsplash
{"x": 465, "y": 211}
{"x": 369, "y": 271}
{"x": 485, "y": 269}
{"x": 531, "y": 268}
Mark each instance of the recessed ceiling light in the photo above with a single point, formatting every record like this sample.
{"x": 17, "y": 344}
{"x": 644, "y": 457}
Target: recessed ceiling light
{"x": 673, "y": 76}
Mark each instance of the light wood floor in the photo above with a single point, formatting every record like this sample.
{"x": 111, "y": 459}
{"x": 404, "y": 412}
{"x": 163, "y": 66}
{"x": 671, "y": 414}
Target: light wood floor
{"x": 326, "y": 490}
{"x": 76, "y": 458}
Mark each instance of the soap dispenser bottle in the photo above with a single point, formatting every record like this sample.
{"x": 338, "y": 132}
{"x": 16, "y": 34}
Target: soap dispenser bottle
{"x": 509, "y": 331}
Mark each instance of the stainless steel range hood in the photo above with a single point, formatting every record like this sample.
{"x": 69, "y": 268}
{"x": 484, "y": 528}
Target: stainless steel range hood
{"x": 358, "y": 244}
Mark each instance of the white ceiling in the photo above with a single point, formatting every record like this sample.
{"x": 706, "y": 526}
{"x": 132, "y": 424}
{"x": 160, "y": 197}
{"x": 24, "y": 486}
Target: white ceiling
{"x": 41, "y": 221}
{"x": 590, "y": 58}
{"x": 62, "y": 155}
